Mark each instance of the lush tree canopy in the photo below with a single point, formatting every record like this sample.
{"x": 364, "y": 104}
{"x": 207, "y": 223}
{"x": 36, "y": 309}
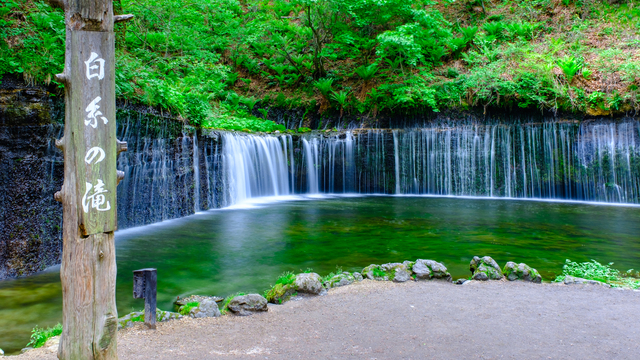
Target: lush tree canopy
{"x": 218, "y": 63}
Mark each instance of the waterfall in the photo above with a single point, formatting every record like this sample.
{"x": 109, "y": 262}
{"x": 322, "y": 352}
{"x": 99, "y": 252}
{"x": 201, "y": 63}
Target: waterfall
{"x": 196, "y": 175}
{"x": 313, "y": 167}
{"x": 173, "y": 176}
{"x": 254, "y": 166}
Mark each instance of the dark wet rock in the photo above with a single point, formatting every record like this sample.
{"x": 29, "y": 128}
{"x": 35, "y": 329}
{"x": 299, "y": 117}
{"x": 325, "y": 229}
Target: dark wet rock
{"x": 485, "y": 268}
{"x": 340, "y": 280}
{"x": 206, "y": 308}
{"x": 461, "y": 281}
{"x": 429, "y": 269}
{"x": 247, "y": 304}
{"x": 522, "y": 271}
{"x": 571, "y": 280}
{"x": 357, "y": 276}
{"x": 309, "y": 283}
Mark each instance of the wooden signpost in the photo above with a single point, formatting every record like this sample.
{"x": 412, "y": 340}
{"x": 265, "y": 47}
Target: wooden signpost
{"x": 88, "y": 195}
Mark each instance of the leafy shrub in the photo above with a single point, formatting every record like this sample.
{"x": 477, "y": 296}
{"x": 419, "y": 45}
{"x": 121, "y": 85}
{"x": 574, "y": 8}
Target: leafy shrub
{"x": 589, "y": 270}
{"x": 40, "y": 336}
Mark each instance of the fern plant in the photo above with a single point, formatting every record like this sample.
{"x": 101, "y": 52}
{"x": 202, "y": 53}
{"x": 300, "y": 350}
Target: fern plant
{"x": 469, "y": 32}
{"x": 341, "y": 98}
{"x": 366, "y": 73}
{"x": 495, "y": 28}
{"x": 570, "y": 67}
{"x": 324, "y": 85}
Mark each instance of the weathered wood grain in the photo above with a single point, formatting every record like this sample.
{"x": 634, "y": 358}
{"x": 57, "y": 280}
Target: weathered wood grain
{"x": 88, "y": 270}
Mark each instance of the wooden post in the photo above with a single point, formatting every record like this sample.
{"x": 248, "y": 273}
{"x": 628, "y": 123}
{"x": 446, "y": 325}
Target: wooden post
{"x": 145, "y": 286}
{"x": 88, "y": 195}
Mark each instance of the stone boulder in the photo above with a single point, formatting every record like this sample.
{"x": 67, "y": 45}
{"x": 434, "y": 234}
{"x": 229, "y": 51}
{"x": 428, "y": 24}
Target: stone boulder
{"x": 485, "y": 268}
{"x": 247, "y": 304}
{"x": 571, "y": 280}
{"x": 391, "y": 271}
{"x": 522, "y": 271}
{"x": 206, "y": 308}
{"x": 309, "y": 283}
{"x": 357, "y": 276}
{"x": 342, "y": 279}
{"x": 429, "y": 269}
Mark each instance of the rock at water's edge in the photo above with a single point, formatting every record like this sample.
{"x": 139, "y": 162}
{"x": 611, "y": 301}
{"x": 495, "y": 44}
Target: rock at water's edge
{"x": 340, "y": 280}
{"x": 357, "y": 276}
{"x": 309, "y": 283}
{"x": 206, "y": 308}
{"x": 522, "y": 271}
{"x": 430, "y": 269}
{"x": 485, "y": 268}
{"x": 571, "y": 280}
{"x": 247, "y": 304}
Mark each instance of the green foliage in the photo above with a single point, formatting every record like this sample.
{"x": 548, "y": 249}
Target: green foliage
{"x": 324, "y": 86}
{"x": 589, "y": 270}
{"x": 211, "y": 62}
{"x": 186, "y": 309}
{"x": 303, "y": 130}
{"x": 286, "y": 278}
{"x": 39, "y": 336}
{"x": 570, "y": 67}
{"x": 366, "y": 73}
{"x": 378, "y": 272}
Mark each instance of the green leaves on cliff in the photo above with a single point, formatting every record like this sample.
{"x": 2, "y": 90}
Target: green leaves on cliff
{"x": 221, "y": 62}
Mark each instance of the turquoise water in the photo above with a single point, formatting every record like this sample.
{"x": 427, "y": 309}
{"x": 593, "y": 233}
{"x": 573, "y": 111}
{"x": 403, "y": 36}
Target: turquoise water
{"x": 221, "y": 252}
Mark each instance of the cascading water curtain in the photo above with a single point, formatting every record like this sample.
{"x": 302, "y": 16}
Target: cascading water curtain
{"x": 255, "y": 166}
{"x": 593, "y": 161}
{"x": 588, "y": 161}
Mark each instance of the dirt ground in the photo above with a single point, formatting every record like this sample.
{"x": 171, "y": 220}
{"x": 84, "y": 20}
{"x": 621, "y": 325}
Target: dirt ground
{"x": 414, "y": 320}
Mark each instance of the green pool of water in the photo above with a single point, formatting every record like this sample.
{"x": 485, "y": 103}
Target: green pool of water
{"x": 221, "y": 252}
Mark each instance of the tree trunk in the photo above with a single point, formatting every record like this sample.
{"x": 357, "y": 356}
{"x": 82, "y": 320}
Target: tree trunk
{"x": 88, "y": 271}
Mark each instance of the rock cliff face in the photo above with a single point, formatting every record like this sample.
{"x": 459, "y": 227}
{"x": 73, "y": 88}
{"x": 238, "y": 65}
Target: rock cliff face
{"x": 31, "y": 171}
{"x": 160, "y": 169}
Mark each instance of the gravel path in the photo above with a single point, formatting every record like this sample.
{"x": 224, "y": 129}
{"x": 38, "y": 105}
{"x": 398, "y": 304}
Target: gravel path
{"x": 415, "y": 320}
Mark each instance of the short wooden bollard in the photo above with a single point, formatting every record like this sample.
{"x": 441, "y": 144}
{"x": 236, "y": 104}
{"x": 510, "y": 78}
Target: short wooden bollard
{"x": 145, "y": 286}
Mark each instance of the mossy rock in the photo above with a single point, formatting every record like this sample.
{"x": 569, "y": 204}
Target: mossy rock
{"x": 340, "y": 280}
{"x": 522, "y": 271}
{"x": 375, "y": 272}
{"x": 131, "y": 319}
{"x": 279, "y": 293}
{"x": 485, "y": 268}
{"x": 430, "y": 269}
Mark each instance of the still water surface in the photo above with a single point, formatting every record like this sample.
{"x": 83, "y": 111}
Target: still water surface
{"x": 221, "y": 252}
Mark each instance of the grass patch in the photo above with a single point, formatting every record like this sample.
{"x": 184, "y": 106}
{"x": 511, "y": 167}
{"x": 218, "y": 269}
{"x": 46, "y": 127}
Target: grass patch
{"x": 40, "y": 336}
{"x": 379, "y": 273}
{"x": 186, "y": 309}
